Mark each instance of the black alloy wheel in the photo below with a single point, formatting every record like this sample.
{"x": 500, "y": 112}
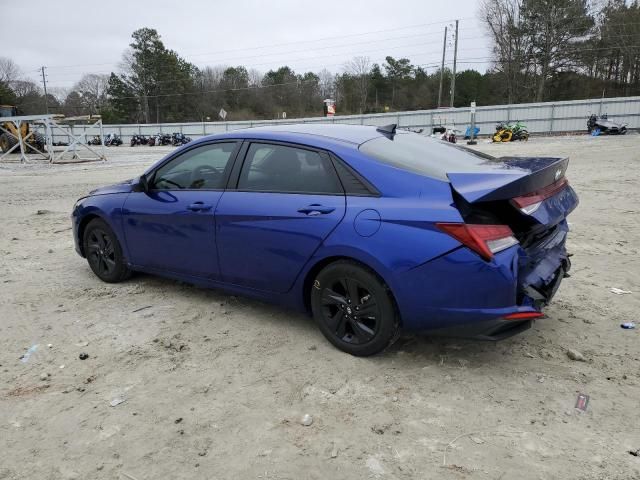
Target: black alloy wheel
{"x": 104, "y": 253}
{"x": 354, "y": 309}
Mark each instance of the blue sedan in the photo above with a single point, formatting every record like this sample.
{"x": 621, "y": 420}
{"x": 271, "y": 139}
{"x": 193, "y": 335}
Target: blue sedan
{"x": 371, "y": 230}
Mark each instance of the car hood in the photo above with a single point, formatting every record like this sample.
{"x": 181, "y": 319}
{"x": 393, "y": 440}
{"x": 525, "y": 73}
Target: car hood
{"x": 122, "y": 187}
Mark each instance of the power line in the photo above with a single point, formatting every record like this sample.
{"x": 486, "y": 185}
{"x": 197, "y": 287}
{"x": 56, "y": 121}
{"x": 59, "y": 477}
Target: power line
{"x": 296, "y": 42}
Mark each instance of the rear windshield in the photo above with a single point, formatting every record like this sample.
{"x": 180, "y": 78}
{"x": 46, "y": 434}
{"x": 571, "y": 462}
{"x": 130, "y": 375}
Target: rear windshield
{"x": 424, "y": 155}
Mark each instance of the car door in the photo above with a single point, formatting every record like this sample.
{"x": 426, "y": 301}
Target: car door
{"x": 171, "y": 226}
{"x": 288, "y": 199}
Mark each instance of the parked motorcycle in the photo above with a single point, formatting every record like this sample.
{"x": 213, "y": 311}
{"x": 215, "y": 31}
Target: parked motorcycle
{"x": 112, "y": 140}
{"x": 139, "y": 140}
{"x": 163, "y": 139}
{"x": 95, "y": 140}
{"x": 450, "y": 135}
{"x": 178, "y": 139}
{"x": 602, "y": 124}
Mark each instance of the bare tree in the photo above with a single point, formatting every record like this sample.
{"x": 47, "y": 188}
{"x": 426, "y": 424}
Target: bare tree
{"x": 25, "y": 88}
{"x": 360, "y": 68}
{"x": 511, "y": 48}
{"x": 255, "y": 78}
{"x": 59, "y": 93}
{"x": 327, "y": 83}
{"x": 93, "y": 90}
{"x": 9, "y": 71}
{"x": 555, "y": 28}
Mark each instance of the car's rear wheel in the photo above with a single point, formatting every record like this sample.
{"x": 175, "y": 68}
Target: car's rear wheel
{"x": 104, "y": 253}
{"x": 354, "y": 309}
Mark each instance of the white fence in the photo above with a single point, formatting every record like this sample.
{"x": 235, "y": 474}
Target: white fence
{"x": 548, "y": 117}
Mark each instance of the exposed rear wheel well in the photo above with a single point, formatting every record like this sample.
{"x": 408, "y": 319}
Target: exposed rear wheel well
{"x": 311, "y": 275}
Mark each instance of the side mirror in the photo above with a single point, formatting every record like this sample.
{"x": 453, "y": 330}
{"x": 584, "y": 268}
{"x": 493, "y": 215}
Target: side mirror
{"x": 141, "y": 184}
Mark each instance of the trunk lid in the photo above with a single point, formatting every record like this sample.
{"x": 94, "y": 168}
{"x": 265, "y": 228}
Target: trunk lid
{"x": 509, "y": 177}
{"x": 490, "y": 192}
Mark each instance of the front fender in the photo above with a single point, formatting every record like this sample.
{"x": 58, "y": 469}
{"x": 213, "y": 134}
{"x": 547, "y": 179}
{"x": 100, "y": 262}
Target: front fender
{"x": 106, "y": 207}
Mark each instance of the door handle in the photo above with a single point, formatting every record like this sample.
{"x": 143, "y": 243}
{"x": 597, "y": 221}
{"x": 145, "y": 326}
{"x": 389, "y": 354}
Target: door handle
{"x": 316, "y": 209}
{"x": 199, "y": 207}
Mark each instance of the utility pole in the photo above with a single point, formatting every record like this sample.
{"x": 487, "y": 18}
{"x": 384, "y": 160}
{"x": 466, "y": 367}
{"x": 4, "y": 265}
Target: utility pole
{"x": 455, "y": 59}
{"x": 444, "y": 51}
{"x": 44, "y": 83}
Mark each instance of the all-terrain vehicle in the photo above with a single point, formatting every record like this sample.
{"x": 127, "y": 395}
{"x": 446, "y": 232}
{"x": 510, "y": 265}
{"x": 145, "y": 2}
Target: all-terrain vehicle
{"x": 510, "y": 132}
{"x": 602, "y": 124}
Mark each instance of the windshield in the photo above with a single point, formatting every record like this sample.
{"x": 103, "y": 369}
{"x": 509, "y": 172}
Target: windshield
{"x": 424, "y": 155}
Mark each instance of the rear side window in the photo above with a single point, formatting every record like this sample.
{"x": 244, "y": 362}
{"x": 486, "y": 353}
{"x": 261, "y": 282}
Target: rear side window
{"x": 424, "y": 155}
{"x": 279, "y": 168}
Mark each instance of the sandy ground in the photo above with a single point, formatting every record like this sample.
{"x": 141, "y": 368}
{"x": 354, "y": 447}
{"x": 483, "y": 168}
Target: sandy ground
{"x": 214, "y": 386}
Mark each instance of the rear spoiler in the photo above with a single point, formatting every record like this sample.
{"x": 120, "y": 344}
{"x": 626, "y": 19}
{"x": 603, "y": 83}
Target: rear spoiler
{"x": 508, "y": 177}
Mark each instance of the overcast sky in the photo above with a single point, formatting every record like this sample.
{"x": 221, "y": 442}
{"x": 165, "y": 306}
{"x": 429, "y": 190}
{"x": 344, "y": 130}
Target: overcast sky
{"x": 72, "y": 37}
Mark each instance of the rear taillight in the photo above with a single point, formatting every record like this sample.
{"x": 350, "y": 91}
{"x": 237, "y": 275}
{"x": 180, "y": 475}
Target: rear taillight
{"x": 530, "y": 202}
{"x": 482, "y": 239}
{"x": 523, "y": 316}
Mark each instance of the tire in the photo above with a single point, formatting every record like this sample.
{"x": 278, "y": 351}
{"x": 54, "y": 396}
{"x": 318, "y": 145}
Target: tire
{"x": 39, "y": 141}
{"x": 104, "y": 253}
{"x": 354, "y": 309}
{"x": 7, "y": 142}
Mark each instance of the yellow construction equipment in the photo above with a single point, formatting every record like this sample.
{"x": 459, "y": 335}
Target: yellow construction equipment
{"x": 9, "y": 133}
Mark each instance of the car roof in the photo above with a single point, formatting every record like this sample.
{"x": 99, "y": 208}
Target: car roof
{"x": 311, "y": 134}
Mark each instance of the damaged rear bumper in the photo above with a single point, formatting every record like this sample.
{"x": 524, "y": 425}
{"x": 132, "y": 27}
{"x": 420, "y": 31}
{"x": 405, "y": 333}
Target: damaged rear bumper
{"x": 486, "y": 300}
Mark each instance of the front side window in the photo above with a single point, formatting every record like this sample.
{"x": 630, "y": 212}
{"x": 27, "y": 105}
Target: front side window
{"x": 199, "y": 168}
{"x": 278, "y": 168}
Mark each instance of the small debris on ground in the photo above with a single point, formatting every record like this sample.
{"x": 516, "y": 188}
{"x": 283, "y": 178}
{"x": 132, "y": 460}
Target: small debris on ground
{"x": 334, "y": 451}
{"x": 177, "y": 420}
{"x": 117, "y": 401}
{"x": 374, "y": 466}
{"x": 141, "y": 308}
{"x": 43, "y": 212}
{"x": 582, "y": 402}
{"x": 307, "y": 420}
{"x": 45, "y": 376}
{"x": 83, "y": 356}
{"x": 619, "y": 291}
{"x": 575, "y": 355}
{"x": 628, "y": 325}
{"x": 635, "y": 453}
{"x": 32, "y": 349}
{"x": 49, "y": 345}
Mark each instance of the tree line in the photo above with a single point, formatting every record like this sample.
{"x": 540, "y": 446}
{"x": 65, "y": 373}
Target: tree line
{"x": 541, "y": 50}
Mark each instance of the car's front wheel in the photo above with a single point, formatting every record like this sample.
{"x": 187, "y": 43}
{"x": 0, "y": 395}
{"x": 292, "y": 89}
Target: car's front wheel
{"x": 354, "y": 309}
{"x": 104, "y": 253}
